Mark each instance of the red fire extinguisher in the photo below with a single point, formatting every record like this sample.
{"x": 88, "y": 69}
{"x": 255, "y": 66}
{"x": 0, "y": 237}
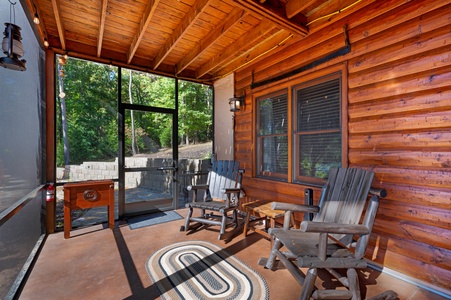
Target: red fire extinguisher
{"x": 50, "y": 193}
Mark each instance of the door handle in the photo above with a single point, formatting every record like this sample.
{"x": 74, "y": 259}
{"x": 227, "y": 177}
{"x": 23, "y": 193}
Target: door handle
{"x": 167, "y": 169}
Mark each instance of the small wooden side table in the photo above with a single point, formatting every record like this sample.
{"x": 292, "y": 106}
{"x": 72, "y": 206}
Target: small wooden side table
{"x": 87, "y": 194}
{"x": 266, "y": 213}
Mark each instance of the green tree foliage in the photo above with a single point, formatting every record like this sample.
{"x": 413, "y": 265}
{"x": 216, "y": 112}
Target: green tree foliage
{"x": 91, "y": 112}
{"x": 195, "y": 112}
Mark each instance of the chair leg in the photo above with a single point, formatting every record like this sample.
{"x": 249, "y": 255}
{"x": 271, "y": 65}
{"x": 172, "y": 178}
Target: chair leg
{"x": 246, "y": 222}
{"x": 272, "y": 256}
{"x": 235, "y": 217}
{"x": 188, "y": 218}
{"x": 309, "y": 284}
{"x": 354, "y": 287}
{"x": 223, "y": 222}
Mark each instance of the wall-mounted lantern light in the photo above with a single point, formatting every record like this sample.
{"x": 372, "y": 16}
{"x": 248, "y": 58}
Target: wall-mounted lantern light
{"x": 236, "y": 103}
{"x": 13, "y": 48}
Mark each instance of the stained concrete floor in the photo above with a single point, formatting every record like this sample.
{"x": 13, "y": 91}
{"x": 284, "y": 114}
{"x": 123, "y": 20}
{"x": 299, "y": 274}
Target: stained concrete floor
{"x": 100, "y": 263}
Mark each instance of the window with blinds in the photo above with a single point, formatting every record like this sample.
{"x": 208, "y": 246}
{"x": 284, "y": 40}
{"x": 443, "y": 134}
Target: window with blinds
{"x": 317, "y": 130}
{"x": 272, "y": 136}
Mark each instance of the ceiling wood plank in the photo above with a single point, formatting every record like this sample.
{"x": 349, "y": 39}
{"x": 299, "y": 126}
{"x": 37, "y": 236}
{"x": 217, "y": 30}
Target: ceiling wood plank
{"x": 101, "y": 26}
{"x": 235, "y": 16}
{"x": 188, "y": 21}
{"x": 293, "y": 7}
{"x": 279, "y": 39}
{"x": 145, "y": 20}
{"x": 236, "y": 48}
{"x": 59, "y": 23}
{"x": 281, "y": 21}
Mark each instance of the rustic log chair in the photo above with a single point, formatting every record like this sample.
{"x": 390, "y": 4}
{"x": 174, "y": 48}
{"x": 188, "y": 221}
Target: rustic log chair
{"x": 327, "y": 242}
{"x": 222, "y": 193}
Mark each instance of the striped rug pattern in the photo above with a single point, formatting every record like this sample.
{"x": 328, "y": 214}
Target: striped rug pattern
{"x": 201, "y": 270}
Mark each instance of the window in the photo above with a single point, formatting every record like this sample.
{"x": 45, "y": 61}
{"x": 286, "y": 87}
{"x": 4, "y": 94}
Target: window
{"x": 299, "y": 130}
{"x": 272, "y": 135}
{"x": 317, "y": 130}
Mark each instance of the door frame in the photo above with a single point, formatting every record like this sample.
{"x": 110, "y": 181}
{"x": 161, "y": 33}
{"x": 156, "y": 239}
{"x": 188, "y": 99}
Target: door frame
{"x": 122, "y": 107}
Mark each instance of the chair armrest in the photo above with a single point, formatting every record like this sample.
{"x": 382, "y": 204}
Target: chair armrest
{"x": 320, "y": 227}
{"x": 230, "y": 190}
{"x": 294, "y": 207}
{"x": 197, "y": 187}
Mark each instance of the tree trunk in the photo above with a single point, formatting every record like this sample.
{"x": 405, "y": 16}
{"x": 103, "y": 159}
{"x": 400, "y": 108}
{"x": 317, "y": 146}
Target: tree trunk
{"x": 134, "y": 150}
{"x": 62, "y": 96}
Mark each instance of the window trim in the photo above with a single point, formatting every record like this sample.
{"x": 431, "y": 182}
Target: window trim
{"x": 297, "y": 134}
{"x": 259, "y": 138}
{"x": 311, "y": 75}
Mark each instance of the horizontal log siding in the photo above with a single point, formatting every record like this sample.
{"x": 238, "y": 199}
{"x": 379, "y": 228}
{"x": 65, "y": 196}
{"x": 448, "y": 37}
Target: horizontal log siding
{"x": 399, "y": 109}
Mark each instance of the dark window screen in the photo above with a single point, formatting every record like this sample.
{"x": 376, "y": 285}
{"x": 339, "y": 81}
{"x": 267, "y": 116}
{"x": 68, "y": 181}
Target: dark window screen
{"x": 318, "y": 129}
{"x": 272, "y": 136}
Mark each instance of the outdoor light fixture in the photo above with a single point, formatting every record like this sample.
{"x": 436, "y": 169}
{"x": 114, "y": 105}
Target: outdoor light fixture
{"x": 236, "y": 103}
{"x": 12, "y": 46}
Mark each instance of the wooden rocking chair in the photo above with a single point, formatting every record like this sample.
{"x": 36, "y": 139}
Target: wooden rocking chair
{"x": 222, "y": 193}
{"x": 328, "y": 241}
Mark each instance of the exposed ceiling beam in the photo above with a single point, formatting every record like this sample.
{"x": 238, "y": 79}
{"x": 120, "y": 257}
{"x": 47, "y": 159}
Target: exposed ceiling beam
{"x": 293, "y": 7}
{"x": 145, "y": 20}
{"x": 59, "y": 23}
{"x": 235, "y": 16}
{"x": 236, "y": 48}
{"x": 277, "y": 18}
{"x": 188, "y": 21}
{"x": 102, "y": 26}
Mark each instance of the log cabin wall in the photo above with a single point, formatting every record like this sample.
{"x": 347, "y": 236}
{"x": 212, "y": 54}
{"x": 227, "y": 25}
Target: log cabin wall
{"x": 399, "y": 124}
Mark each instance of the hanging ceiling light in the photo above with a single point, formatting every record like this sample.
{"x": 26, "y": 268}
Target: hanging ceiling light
{"x": 12, "y": 46}
{"x": 36, "y": 19}
{"x": 36, "y": 16}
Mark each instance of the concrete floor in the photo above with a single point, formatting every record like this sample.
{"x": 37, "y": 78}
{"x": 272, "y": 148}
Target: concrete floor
{"x": 99, "y": 263}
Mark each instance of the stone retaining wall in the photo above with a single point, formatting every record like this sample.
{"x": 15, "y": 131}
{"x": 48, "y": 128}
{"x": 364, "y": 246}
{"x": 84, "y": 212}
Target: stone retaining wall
{"x": 156, "y": 180}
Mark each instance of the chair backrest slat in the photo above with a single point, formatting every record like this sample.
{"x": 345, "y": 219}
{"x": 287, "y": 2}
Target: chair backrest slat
{"x": 224, "y": 174}
{"x": 344, "y": 196}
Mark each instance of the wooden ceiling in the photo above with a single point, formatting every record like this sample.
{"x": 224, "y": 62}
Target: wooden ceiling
{"x": 195, "y": 39}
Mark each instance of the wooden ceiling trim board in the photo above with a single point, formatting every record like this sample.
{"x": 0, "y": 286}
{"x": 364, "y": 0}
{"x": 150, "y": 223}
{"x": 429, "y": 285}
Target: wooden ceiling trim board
{"x": 235, "y": 16}
{"x": 101, "y": 26}
{"x": 350, "y": 16}
{"x": 188, "y": 21}
{"x": 278, "y": 39}
{"x": 147, "y": 16}
{"x": 293, "y": 7}
{"x": 283, "y": 22}
{"x": 249, "y": 38}
{"x": 245, "y": 50}
{"x": 318, "y": 8}
{"x": 59, "y": 23}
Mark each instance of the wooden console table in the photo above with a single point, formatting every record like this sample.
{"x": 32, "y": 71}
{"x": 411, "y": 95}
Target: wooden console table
{"x": 87, "y": 194}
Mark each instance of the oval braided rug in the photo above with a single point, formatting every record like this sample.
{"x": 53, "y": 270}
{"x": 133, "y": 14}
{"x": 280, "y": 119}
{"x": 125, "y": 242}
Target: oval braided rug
{"x": 201, "y": 270}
